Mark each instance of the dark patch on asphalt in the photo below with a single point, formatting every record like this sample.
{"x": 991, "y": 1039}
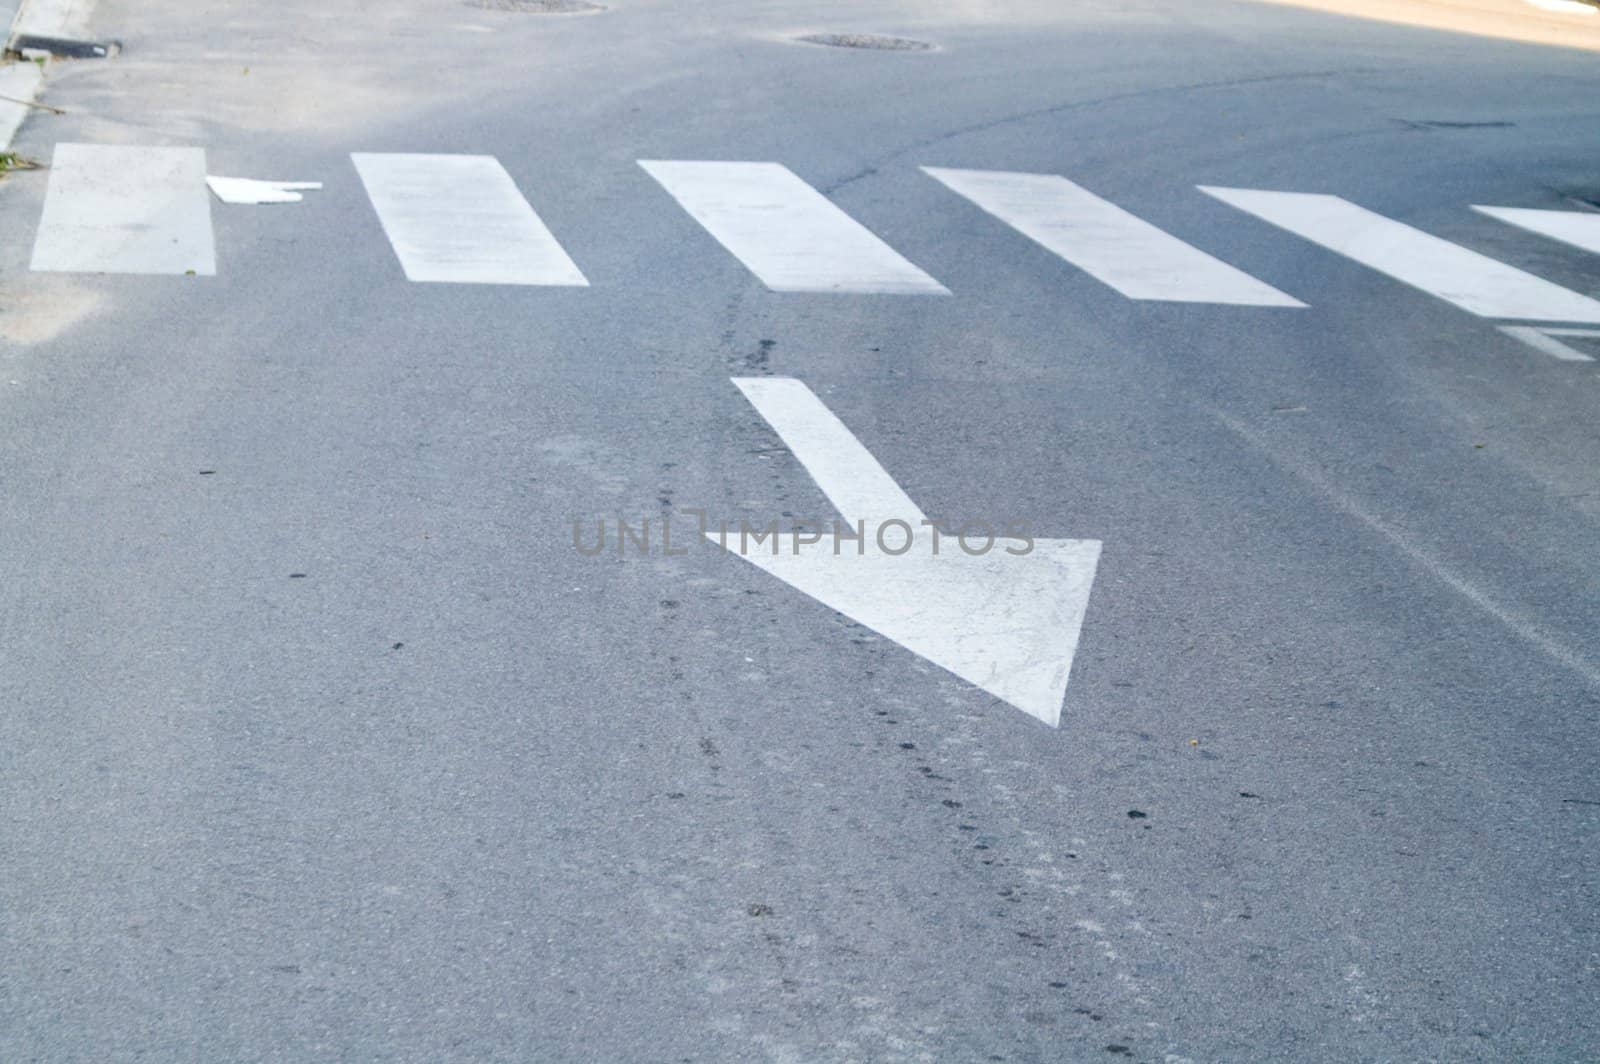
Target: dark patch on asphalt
{"x": 1134, "y": 814}
{"x": 759, "y": 909}
{"x": 874, "y": 42}
{"x": 297, "y": 576}
{"x": 758, "y": 361}
{"x": 1435, "y": 123}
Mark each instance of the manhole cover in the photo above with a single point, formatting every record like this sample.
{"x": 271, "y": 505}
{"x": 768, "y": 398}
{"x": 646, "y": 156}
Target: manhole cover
{"x": 873, "y": 41}
{"x": 538, "y": 7}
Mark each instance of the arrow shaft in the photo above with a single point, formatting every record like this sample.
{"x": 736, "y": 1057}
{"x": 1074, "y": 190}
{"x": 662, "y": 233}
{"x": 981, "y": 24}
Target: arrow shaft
{"x": 859, "y": 488}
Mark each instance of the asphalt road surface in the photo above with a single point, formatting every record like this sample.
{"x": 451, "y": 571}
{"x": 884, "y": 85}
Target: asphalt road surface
{"x": 324, "y": 737}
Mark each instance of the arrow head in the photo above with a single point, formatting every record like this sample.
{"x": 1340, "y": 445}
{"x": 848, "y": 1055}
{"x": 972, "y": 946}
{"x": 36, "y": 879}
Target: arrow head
{"x": 1007, "y": 623}
{"x": 248, "y": 190}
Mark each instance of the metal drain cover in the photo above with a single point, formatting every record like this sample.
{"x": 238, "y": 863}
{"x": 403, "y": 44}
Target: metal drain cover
{"x": 872, "y": 41}
{"x": 538, "y": 7}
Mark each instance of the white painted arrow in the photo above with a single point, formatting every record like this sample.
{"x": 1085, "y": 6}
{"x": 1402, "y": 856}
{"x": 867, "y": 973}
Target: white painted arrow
{"x": 248, "y": 190}
{"x": 1007, "y": 623}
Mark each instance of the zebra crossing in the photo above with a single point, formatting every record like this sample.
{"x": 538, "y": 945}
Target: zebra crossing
{"x": 463, "y": 219}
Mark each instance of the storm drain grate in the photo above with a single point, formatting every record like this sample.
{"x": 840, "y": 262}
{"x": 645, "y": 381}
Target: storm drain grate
{"x": 538, "y": 7}
{"x": 30, "y": 45}
{"x": 872, "y": 41}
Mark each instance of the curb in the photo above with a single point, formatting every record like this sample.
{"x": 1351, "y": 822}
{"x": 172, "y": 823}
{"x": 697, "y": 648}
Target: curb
{"x": 19, "y": 84}
{"x": 20, "y": 79}
{"x": 10, "y": 12}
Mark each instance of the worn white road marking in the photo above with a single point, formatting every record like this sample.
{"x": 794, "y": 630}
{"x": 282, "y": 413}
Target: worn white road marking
{"x": 1578, "y": 228}
{"x": 460, "y": 219}
{"x": 1007, "y": 623}
{"x": 117, "y": 209}
{"x": 1473, "y": 282}
{"x": 1580, "y": 660}
{"x": 1545, "y": 340}
{"x": 845, "y": 471}
{"x": 250, "y": 191}
{"x": 786, "y": 232}
{"x": 1108, "y": 243}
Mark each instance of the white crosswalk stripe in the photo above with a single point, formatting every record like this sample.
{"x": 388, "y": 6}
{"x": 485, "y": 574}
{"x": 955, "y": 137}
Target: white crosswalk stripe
{"x": 1580, "y": 229}
{"x": 1548, "y": 340}
{"x": 786, "y": 232}
{"x": 1108, "y": 243}
{"x": 124, "y": 209}
{"x": 1474, "y": 282}
{"x": 461, "y": 219}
